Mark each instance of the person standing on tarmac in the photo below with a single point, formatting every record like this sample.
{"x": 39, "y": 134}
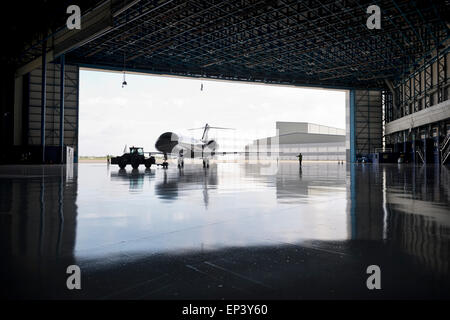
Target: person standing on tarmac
{"x": 300, "y": 158}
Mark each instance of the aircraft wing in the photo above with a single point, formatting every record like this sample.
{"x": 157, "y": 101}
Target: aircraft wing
{"x": 216, "y": 153}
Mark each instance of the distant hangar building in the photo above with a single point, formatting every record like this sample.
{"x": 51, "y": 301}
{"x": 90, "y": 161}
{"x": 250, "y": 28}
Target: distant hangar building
{"x": 313, "y": 141}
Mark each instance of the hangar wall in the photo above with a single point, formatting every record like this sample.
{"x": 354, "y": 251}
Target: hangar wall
{"x": 27, "y": 109}
{"x": 418, "y": 114}
{"x": 368, "y": 125}
{"x": 71, "y": 81}
{"x": 364, "y": 129}
{"x": 422, "y": 88}
{"x": 7, "y": 86}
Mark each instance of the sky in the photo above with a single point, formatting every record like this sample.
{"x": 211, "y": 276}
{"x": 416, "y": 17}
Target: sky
{"x": 112, "y": 117}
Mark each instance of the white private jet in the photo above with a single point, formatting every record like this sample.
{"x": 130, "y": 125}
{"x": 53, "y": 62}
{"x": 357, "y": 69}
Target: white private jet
{"x": 170, "y": 143}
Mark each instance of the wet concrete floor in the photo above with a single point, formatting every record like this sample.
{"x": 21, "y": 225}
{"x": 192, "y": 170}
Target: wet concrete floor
{"x": 235, "y": 230}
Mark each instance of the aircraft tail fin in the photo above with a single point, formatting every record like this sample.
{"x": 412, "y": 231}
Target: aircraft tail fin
{"x": 206, "y": 130}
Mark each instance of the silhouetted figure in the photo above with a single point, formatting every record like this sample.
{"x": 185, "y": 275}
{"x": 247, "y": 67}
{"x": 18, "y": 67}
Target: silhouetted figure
{"x": 181, "y": 159}
{"x": 300, "y": 158}
{"x": 165, "y": 164}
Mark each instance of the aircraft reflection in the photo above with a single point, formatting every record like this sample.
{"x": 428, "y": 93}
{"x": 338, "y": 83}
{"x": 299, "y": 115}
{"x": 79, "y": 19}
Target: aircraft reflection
{"x": 170, "y": 183}
{"x": 183, "y": 180}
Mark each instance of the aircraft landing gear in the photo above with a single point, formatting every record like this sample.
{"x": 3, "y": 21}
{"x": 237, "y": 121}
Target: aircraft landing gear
{"x": 205, "y": 163}
{"x": 165, "y": 164}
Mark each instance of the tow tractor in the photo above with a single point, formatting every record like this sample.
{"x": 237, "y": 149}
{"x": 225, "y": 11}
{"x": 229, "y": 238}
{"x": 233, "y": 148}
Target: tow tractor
{"x": 136, "y": 157}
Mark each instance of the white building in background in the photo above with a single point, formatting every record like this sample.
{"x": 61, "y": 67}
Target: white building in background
{"x": 313, "y": 141}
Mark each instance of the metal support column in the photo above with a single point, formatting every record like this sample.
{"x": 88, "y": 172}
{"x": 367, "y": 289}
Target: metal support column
{"x": 352, "y": 126}
{"x": 368, "y": 122}
{"x": 43, "y": 97}
{"x": 353, "y": 227}
{"x": 75, "y": 156}
{"x": 61, "y": 107}
{"x": 405, "y": 141}
{"x": 436, "y": 145}
{"x": 424, "y": 147}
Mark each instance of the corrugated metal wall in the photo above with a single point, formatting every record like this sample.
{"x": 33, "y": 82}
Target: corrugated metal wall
{"x": 368, "y": 121}
{"x": 71, "y": 94}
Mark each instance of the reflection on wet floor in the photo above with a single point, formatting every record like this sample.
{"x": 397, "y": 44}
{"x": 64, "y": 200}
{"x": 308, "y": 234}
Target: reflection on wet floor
{"x": 235, "y": 230}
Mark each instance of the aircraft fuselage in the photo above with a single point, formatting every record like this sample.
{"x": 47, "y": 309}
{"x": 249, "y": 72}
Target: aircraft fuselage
{"x": 172, "y": 143}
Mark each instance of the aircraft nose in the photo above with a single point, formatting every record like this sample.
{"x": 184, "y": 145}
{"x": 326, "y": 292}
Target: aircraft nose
{"x": 166, "y": 142}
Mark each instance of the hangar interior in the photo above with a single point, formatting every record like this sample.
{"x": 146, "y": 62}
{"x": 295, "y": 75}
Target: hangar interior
{"x": 397, "y": 107}
{"x": 396, "y": 77}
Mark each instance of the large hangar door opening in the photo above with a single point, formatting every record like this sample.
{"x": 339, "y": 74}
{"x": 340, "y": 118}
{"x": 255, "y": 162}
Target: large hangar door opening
{"x": 246, "y": 193}
{"x": 311, "y": 121}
